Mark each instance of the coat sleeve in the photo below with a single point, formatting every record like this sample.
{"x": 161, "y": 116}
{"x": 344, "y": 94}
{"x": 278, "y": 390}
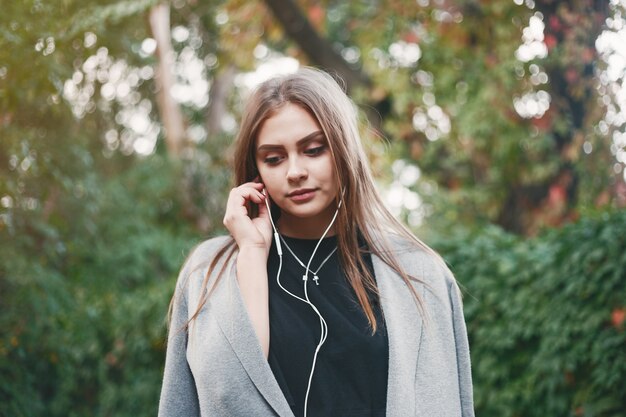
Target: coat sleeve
{"x": 462, "y": 351}
{"x": 179, "y": 396}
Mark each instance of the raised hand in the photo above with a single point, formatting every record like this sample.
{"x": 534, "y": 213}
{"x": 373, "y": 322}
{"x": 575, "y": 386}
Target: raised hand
{"x": 248, "y": 233}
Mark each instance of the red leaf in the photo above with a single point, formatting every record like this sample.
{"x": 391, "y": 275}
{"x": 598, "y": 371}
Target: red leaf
{"x": 556, "y": 194}
{"x": 316, "y": 15}
{"x": 571, "y": 75}
{"x": 588, "y": 55}
{"x": 411, "y": 37}
{"x": 617, "y": 317}
{"x": 555, "y": 23}
{"x": 550, "y": 41}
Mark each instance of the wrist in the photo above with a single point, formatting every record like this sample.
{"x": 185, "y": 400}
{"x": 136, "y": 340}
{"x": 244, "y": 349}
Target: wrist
{"x": 253, "y": 251}
{"x": 252, "y": 269}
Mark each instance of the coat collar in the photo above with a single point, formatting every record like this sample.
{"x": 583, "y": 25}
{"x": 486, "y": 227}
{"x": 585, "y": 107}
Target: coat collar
{"x": 239, "y": 331}
{"x": 404, "y": 330}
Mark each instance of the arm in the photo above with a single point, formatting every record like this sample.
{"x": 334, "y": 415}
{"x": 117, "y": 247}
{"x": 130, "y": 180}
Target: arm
{"x": 178, "y": 393}
{"x": 252, "y": 278}
{"x": 254, "y": 238}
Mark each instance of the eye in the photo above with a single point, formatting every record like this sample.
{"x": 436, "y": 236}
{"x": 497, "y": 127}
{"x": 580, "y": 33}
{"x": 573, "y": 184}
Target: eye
{"x": 272, "y": 160}
{"x": 315, "y": 151}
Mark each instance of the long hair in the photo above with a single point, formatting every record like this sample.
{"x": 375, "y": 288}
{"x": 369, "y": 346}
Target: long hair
{"x": 363, "y": 215}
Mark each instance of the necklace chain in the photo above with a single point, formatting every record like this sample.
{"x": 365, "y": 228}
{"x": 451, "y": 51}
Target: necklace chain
{"x": 315, "y": 277}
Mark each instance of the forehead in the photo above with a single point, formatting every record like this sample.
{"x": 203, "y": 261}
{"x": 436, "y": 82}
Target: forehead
{"x": 286, "y": 126}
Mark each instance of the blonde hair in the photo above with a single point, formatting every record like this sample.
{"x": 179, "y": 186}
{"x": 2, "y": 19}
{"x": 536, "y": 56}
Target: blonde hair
{"x": 364, "y": 213}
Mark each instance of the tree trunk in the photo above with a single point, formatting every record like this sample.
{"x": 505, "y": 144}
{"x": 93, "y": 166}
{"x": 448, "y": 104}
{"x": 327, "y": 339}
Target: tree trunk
{"x": 170, "y": 112}
{"x": 220, "y": 91}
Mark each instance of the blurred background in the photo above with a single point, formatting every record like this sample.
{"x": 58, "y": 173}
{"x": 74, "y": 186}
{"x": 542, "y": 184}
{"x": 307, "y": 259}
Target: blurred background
{"x": 496, "y": 130}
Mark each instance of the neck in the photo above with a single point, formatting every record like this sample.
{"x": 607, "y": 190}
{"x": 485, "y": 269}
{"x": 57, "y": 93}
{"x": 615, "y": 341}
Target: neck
{"x": 302, "y": 229}
{"x": 311, "y": 228}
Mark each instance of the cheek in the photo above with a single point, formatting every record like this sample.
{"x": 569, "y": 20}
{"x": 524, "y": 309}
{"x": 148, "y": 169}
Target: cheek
{"x": 275, "y": 191}
{"x": 268, "y": 177}
{"x": 328, "y": 171}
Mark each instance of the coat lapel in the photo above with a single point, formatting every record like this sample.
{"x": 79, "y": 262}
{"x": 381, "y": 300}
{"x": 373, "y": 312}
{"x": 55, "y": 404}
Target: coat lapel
{"x": 404, "y": 332}
{"x": 239, "y": 331}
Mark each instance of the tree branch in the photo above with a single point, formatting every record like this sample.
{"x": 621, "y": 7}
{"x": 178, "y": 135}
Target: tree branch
{"x": 318, "y": 49}
{"x": 322, "y": 54}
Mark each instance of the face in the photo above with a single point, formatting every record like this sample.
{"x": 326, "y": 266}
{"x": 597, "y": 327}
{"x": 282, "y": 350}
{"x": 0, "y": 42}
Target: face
{"x": 296, "y": 166}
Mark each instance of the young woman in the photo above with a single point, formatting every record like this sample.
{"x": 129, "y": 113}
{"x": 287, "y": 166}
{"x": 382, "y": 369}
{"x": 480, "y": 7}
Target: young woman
{"x": 319, "y": 303}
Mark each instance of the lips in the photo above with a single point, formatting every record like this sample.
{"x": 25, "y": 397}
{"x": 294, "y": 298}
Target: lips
{"x": 300, "y": 192}
{"x": 302, "y": 195}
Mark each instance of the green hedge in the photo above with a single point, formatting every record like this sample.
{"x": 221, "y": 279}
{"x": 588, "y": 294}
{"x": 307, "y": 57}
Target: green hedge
{"x": 545, "y": 318}
{"x": 83, "y": 296}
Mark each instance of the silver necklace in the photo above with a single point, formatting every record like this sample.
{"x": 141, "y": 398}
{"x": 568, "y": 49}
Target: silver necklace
{"x": 315, "y": 277}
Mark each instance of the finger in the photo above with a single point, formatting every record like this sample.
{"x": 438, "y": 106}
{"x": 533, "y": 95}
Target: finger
{"x": 240, "y": 199}
{"x": 237, "y": 200}
{"x": 255, "y": 185}
{"x": 257, "y": 197}
{"x": 245, "y": 192}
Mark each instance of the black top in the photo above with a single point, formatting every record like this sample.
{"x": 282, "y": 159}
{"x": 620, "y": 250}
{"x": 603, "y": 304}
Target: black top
{"x": 350, "y": 377}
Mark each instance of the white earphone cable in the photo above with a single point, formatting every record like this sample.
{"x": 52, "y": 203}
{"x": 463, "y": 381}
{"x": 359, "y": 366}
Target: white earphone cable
{"x": 305, "y": 277}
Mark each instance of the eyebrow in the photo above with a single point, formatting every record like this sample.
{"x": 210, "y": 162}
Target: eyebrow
{"x": 308, "y": 138}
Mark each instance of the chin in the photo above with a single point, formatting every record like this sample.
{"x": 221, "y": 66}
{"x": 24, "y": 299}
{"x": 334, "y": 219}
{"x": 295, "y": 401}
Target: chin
{"x": 304, "y": 214}
{"x": 302, "y": 210}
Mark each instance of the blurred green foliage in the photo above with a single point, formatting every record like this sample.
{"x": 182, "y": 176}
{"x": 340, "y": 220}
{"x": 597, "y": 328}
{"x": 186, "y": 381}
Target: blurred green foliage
{"x": 84, "y": 324}
{"x": 92, "y": 234}
{"x": 546, "y": 317}
{"x": 84, "y": 297}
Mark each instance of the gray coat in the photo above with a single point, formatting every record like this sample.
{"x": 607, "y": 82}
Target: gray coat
{"x": 218, "y": 367}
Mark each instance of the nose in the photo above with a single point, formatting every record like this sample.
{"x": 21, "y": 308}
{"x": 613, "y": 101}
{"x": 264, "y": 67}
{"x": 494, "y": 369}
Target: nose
{"x": 297, "y": 172}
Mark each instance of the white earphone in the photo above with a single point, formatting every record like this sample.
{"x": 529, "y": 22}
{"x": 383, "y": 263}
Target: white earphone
{"x": 305, "y": 278}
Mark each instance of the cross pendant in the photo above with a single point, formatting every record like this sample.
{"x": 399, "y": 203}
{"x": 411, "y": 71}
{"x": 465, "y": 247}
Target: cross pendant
{"x": 316, "y": 279}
